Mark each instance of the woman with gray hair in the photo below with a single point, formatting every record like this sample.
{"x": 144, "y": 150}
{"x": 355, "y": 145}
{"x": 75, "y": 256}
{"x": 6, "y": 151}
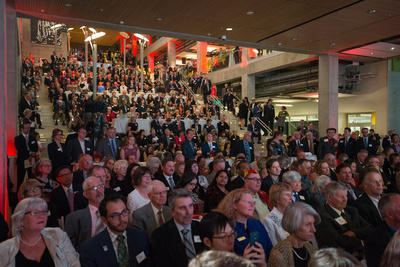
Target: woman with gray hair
{"x": 32, "y": 243}
{"x": 296, "y": 250}
{"x": 153, "y": 163}
{"x": 333, "y": 257}
{"x": 317, "y": 198}
{"x": 293, "y": 178}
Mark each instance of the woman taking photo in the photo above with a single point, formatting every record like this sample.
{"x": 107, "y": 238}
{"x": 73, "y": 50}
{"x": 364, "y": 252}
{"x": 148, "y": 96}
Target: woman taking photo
{"x": 33, "y": 244}
{"x": 296, "y": 250}
{"x": 216, "y": 191}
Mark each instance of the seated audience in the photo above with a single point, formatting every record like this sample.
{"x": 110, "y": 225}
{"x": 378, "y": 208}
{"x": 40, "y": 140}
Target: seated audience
{"x": 140, "y": 195}
{"x": 216, "y": 191}
{"x": 333, "y": 257}
{"x": 252, "y": 182}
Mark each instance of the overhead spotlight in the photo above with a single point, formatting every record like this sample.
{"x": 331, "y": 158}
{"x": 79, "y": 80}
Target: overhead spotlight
{"x": 392, "y": 48}
{"x": 371, "y": 11}
{"x": 42, "y": 10}
{"x": 209, "y": 34}
{"x": 121, "y": 22}
{"x": 92, "y": 30}
{"x": 101, "y": 9}
{"x": 279, "y": 43}
{"x": 332, "y": 44}
{"x": 95, "y": 36}
{"x": 140, "y": 36}
{"x": 68, "y": 4}
{"x": 372, "y": 53}
{"x": 249, "y": 13}
{"x": 293, "y": 39}
{"x": 159, "y": 19}
{"x": 56, "y": 26}
{"x": 229, "y": 29}
{"x": 70, "y": 29}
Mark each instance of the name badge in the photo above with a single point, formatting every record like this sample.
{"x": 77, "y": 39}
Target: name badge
{"x": 140, "y": 257}
{"x": 32, "y": 142}
{"x": 370, "y": 145}
{"x": 302, "y": 197}
{"x": 341, "y": 141}
{"x": 241, "y": 238}
{"x": 117, "y": 189}
{"x": 88, "y": 148}
{"x": 197, "y": 239}
{"x": 326, "y": 140}
{"x": 59, "y": 149}
{"x": 250, "y": 147}
{"x": 340, "y": 220}
{"x": 105, "y": 248}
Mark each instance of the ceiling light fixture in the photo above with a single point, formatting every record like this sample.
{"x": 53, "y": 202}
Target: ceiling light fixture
{"x": 229, "y": 29}
{"x": 371, "y": 11}
{"x": 68, "y": 4}
{"x": 372, "y": 53}
{"x": 95, "y": 36}
{"x": 332, "y": 44}
{"x": 42, "y": 10}
{"x": 249, "y": 13}
{"x": 159, "y": 19}
{"x": 279, "y": 43}
{"x": 101, "y": 9}
{"x": 294, "y": 39}
{"x": 121, "y": 22}
{"x": 392, "y": 48}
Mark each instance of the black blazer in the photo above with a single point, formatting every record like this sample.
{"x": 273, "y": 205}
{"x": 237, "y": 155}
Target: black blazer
{"x": 306, "y": 147}
{"x": 372, "y": 146}
{"x": 239, "y": 148}
{"x": 235, "y": 184}
{"x": 22, "y": 150}
{"x": 368, "y": 210}
{"x": 99, "y": 251}
{"x": 293, "y": 147}
{"x": 349, "y": 149}
{"x": 60, "y": 201}
{"x": 376, "y": 244}
{"x": 167, "y": 247}
{"x": 330, "y": 233}
{"x": 324, "y": 147}
{"x": 160, "y": 176}
{"x": 57, "y": 156}
{"x": 74, "y": 149}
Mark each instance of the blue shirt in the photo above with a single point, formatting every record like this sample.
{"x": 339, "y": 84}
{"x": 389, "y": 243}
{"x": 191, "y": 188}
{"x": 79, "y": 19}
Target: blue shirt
{"x": 243, "y": 237}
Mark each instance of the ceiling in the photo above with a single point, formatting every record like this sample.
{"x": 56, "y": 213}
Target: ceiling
{"x": 107, "y": 40}
{"x": 308, "y": 26}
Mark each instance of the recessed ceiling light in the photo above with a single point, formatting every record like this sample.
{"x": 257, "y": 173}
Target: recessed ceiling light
{"x": 392, "y": 48}
{"x": 159, "y": 19}
{"x": 209, "y": 34}
{"x": 229, "y": 29}
{"x": 279, "y": 43}
{"x": 249, "y": 13}
{"x": 101, "y": 9}
{"x": 372, "y": 53}
{"x": 68, "y": 4}
{"x": 294, "y": 39}
{"x": 332, "y": 44}
{"x": 121, "y": 22}
{"x": 42, "y": 10}
{"x": 371, "y": 11}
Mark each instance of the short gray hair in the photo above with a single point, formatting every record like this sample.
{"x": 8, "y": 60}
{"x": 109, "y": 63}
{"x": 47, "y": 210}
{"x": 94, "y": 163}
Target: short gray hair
{"x": 20, "y": 209}
{"x": 291, "y": 176}
{"x": 153, "y": 161}
{"x": 385, "y": 203}
{"x": 213, "y": 258}
{"x": 85, "y": 185}
{"x": 319, "y": 182}
{"x": 120, "y": 163}
{"x": 175, "y": 194}
{"x": 331, "y": 188}
{"x": 333, "y": 257}
{"x": 294, "y": 215}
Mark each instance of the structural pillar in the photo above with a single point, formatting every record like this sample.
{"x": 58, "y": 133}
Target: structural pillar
{"x": 248, "y": 86}
{"x": 150, "y": 60}
{"x": 171, "y": 54}
{"x": 328, "y": 82}
{"x": 245, "y": 56}
{"x": 201, "y": 57}
{"x": 393, "y": 85}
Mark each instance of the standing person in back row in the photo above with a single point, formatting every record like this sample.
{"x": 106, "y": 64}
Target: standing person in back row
{"x": 327, "y": 144}
{"x": 269, "y": 114}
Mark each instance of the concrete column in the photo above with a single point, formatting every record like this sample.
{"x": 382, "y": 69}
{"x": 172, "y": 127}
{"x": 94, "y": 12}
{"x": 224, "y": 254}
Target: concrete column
{"x": 393, "y": 107}
{"x": 248, "y": 86}
{"x": 328, "y": 81}
{"x": 245, "y": 56}
{"x": 171, "y": 54}
{"x": 231, "y": 61}
{"x": 201, "y": 57}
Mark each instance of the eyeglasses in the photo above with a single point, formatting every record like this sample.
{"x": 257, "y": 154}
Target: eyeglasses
{"x": 95, "y": 188}
{"x": 116, "y": 215}
{"x": 254, "y": 179}
{"x": 226, "y": 237}
{"x": 37, "y": 212}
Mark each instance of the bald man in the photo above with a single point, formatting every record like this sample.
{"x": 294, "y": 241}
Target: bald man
{"x": 154, "y": 214}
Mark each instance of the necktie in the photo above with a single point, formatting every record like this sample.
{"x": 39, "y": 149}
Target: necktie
{"x": 344, "y": 216}
{"x": 365, "y": 142}
{"x": 113, "y": 148}
{"x": 99, "y": 223}
{"x": 122, "y": 251}
{"x": 247, "y": 151}
{"x": 160, "y": 218}
{"x": 311, "y": 146}
{"x": 70, "y": 199}
{"x": 171, "y": 182}
{"x": 188, "y": 245}
{"x": 27, "y": 141}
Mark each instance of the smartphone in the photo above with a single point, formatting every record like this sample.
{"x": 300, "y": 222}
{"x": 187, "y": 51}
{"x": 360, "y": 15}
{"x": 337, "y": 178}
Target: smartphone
{"x": 253, "y": 238}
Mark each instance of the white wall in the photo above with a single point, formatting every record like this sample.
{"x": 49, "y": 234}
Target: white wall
{"x": 370, "y": 97}
{"x": 37, "y": 50}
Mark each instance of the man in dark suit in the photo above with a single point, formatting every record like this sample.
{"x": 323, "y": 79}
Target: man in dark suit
{"x": 209, "y": 147}
{"x": 327, "y": 144}
{"x": 66, "y": 197}
{"x": 309, "y": 143}
{"x": 85, "y": 223}
{"x": 367, "y": 142}
{"x": 345, "y": 178}
{"x": 109, "y": 146}
{"x": 296, "y": 144}
{"x": 153, "y": 215}
{"x": 167, "y": 175}
{"x": 269, "y": 114}
{"x": 188, "y": 146}
{"x": 222, "y": 126}
{"x": 167, "y": 138}
{"x": 367, "y": 203}
{"x": 85, "y": 163}
{"x": 176, "y": 242}
{"x": 347, "y": 145}
{"x": 245, "y": 147}
{"x": 242, "y": 167}
{"x": 205, "y": 87}
{"x": 178, "y": 125}
{"x": 341, "y": 226}
{"x": 255, "y": 130}
{"x": 389, "y": 207}
{"x": 27, "y": 103}
{"x": 78, "y": 146}
{"x": 157, "y": 125}
{"x": 117, "y": 245}
{"x": 27, "y": 151}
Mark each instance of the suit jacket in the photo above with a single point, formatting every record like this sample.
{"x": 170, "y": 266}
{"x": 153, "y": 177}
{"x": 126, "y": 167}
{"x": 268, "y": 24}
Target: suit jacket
{"x": 78, "y": 225}
{"x": 157, "y": 126}
{"x": 307, "y": 148}
{"x": 60, "y": 201}
{"x": 99, "y": 251}
{"x": 145, "y": 220}
{"x": 324, "y": 147}
{"x": 57, "y": 156}
{"x": 293, "y": 147}
{"x": 239, "y": 148}
{"x": 372, "y": 145}
{"x": 175, "y": 127}
{"x": 104, "y": 147}
{"x": 22, "y": 149}
{"x": 164, "y": 140}
{"x": 205, "y": 149}
{"x": 23, "y": 104}
{"x": 188, "y": 149}
{"x": 330, "y": 233}
{"x": 349, "y": 148}
{"x": 377, "y": 242}
{"x": 167, "y": 247}
{"x": 74, "y": 149}
{"x": 160, "y": 176}
{"x": 367, "y": 210}
{"x": 235, "y": 184}
{"x": 256, "y": 128}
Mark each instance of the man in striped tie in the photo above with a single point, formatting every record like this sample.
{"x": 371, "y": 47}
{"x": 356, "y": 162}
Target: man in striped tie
{"x": 177, "y": 241}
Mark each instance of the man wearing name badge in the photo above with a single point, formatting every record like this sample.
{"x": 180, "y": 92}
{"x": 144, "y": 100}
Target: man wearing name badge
{"x": 367, "y": 142}
{"x": 188, "y": 146}
{"x": 209, "y": 147}
{"x": 117, "y": 245}
{"x": 345, "y": 177}
{"x": 296, "y": 144}
{"x": 109, "y": 146}
{"x": 177, "y": 241}
{"x": 167, "y": 175}
{"x": 245, "y": 147}
{"x": 327, "y": 144}
{"x": 78, "y": 146}
{"x": 85, "y": 223}
{"x": 341, "y": 225}
{"x": 347, "y": 144}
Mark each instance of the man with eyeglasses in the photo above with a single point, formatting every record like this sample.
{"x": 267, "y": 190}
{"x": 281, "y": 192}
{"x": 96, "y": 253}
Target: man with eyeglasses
{"x": 252, "y": 182}
{"x": 331, "y": 159}
{"x": 85, "y": 164}
{"x": 218, "y": 234}
{"x": 117, "y": 245}
{"x": 85, "y": 223}
{"x": 156, "y": 213}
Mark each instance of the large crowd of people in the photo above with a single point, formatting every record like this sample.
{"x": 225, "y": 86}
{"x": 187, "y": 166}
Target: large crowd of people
{"x": 111, "y": 194}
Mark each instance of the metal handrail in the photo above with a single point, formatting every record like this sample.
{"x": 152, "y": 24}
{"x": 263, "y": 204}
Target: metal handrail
{"x": 264, "y": 125}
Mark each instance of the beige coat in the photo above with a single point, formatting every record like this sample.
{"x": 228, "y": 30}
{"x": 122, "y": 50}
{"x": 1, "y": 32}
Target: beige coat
{"x": 57, "y": 242}
{"x": 282, "y": 255}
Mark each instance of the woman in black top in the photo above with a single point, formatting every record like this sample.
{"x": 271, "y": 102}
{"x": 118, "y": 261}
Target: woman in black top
{"x": 56, "y": 151}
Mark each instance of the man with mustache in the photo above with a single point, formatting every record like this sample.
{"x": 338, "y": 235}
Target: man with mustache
{"x": 117, "y": 245}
